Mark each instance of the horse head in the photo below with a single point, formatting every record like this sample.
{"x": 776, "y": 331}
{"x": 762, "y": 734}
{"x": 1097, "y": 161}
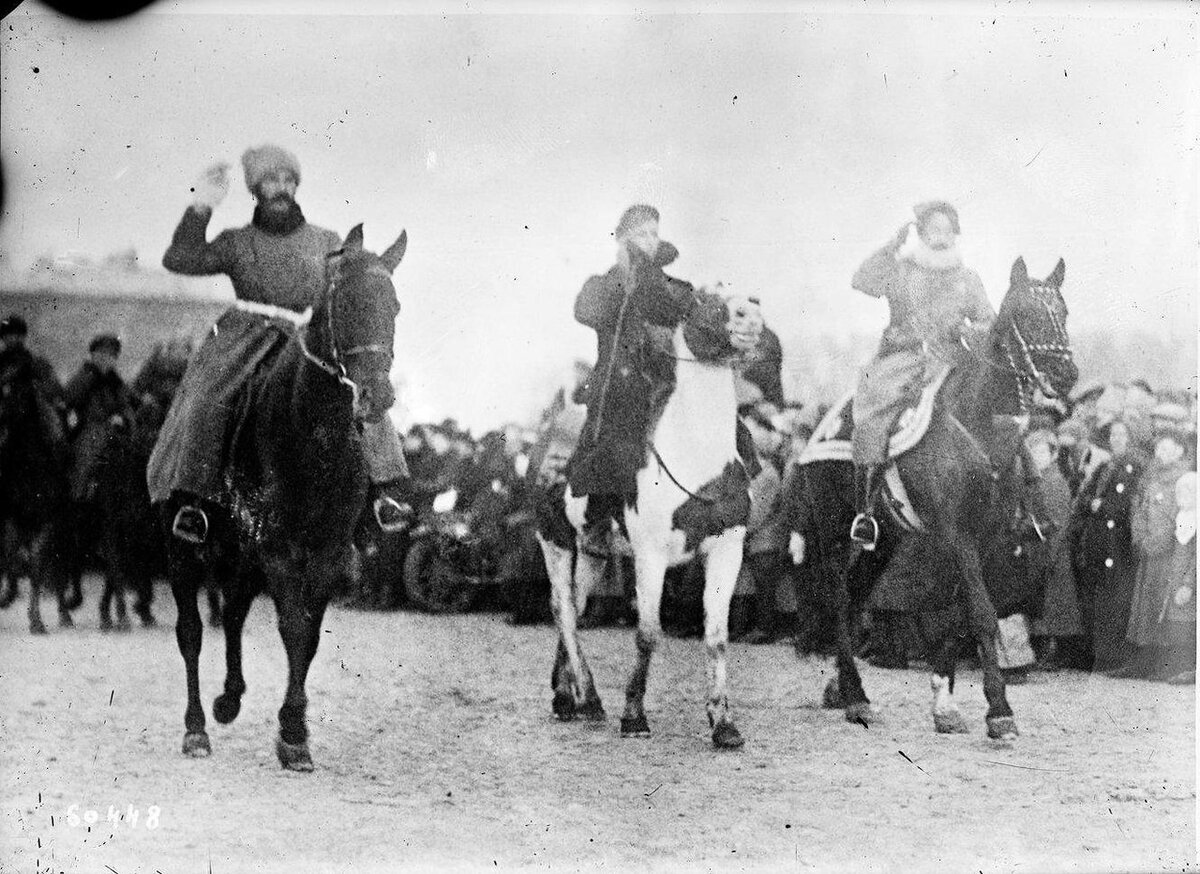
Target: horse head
{"x": 720, "y": 329}
{"x": 1031, "y": 329}
{"x": 358, "y": 317}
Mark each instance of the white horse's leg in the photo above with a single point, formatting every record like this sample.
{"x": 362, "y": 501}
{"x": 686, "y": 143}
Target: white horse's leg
{"x": 721, "y": 567}
{"x": 571, "y": 680}
{"x": 946, "y": 717}
{"x": 650, "y": 566}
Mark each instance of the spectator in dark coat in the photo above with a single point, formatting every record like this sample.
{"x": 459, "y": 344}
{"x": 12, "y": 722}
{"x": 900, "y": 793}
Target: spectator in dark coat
{"x": 1059, "y": 622}
{"x": 1105, "y": 562}
{"x": 1153, "y": 530}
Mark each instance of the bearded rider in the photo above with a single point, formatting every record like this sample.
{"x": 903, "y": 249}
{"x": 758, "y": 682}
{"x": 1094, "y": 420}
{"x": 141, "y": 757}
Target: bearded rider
{"x": 277, "y": 267}
{"x": 931, "y": 297}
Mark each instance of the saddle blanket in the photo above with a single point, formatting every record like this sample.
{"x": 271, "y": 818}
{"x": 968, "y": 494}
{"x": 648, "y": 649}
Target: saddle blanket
{"x": 831, "y": 439}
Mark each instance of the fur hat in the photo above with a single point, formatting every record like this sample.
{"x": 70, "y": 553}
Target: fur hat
{"x": 635, "y": 215}
{"x": 258, "y": 162}
{"x": 924, "y": 210}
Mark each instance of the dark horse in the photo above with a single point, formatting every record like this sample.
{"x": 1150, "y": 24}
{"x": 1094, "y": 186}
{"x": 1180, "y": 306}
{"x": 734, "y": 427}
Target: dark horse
{"x": 33, "y": 486}
{"x": 130, "y": 543}
{"x": 296, "y": 486}
{"x": 951, "y": 477}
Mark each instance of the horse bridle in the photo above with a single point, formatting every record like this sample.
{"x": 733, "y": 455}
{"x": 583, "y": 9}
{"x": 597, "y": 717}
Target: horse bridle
{"x": 337, "y": 368}
{"x": 1021, "y": 364}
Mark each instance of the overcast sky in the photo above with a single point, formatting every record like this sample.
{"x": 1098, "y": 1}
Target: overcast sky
{"x": 781, "y": 149}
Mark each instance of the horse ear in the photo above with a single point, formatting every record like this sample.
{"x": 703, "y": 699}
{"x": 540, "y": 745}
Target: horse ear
{"x": 1060, "y": 272}
{"x": 354, "y": 240}
{"x": 1019, "y": 275}
{"x": 395, "y": 253}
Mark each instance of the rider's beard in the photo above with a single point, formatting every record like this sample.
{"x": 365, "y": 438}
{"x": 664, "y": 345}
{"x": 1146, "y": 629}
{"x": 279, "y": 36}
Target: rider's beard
{"x": 278, "y": 215}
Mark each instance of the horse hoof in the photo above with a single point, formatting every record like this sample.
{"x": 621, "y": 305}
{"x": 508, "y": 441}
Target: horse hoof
{"x": 863, "y": 713}
{"x": 832, "y": 698}
{"x": 726, "y": 737}
{"x": 226, "y": 708}
{"x": 65, "y": 620}
{"x": 635, "y": 726}
{"x": 146, "y": 617}
{"x": 293, "y": 757}
{"x": 37, "y": 626}
{"x": 105, "y": 623}
{"x": 196, "y": 745}
{"x": 123, "y": 624}
{"x": 563, "y": 707}
{"x": 1002, "y": 728}
{"x": 950, "y": 723}
{"x": 592, "y": 711}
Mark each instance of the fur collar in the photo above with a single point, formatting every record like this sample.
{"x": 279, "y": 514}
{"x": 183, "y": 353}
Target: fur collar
{"x": 934, "y": 259}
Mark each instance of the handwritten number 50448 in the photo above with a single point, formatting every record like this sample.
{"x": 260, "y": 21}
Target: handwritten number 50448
{"x": 131, "y": 816}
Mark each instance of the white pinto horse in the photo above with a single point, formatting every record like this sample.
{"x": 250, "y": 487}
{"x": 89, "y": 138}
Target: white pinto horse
{"x": 692, "y": 496}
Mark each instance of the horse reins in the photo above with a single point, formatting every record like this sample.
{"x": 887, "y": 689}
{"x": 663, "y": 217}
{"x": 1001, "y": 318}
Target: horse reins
{"x": 337, "y": 369}
{"x": 1027, "y": 372}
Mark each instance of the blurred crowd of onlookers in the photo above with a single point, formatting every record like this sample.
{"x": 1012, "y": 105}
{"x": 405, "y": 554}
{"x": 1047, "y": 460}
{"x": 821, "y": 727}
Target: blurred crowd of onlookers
{"x": 1111, "y": 587}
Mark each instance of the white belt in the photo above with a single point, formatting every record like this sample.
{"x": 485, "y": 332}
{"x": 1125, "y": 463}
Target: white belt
{"x": 274, "y": 312}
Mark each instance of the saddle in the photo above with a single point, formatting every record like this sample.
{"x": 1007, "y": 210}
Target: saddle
{"x": 831, "y": 441}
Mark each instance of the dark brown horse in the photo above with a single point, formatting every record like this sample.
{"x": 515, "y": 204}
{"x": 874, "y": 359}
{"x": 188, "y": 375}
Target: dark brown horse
{"x": 296, "y": 486}
{"x": 33, "y": 486}
{"x": 951, "y": 477}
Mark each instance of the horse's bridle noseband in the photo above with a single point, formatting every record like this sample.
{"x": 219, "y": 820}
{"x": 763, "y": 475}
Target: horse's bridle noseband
{"x": 337, "y": 368}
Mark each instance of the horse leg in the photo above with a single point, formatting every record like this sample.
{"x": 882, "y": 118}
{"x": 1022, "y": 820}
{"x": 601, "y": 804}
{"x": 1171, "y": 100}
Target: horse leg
{"x": 721, "y": 567}
{"x": 981, "y": 616}
{"x": 213, "y": 592}
{"x": 228, "y": 704}
{"x": 119, "y": 585}
{"x": 300, "y": 628}
{"x": 650, "y": 569}
{"x": 849, "y": 693}
{"x": 570, "y": 679}
{"x": 943, "y": 658}
{"x": 37, "y": 572}
{"x": 187, "y": 572}
{"x": 105, "y": 607}
{"x": 144, "y": 588}
{"x": 589, "y": 570}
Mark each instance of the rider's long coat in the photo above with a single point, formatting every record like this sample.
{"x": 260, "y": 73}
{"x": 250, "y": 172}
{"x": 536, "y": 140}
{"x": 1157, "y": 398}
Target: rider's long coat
{"x": 928, "y": 303}
{"x": 282, "y": 269}
{"x": 620, "y": 306}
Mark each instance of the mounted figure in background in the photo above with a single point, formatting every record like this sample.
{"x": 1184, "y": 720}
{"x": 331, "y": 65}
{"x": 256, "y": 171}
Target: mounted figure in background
{"x": 33, "y": 474}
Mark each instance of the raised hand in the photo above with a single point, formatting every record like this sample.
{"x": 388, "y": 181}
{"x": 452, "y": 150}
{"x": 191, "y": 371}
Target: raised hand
{"x": 211, "y": 187}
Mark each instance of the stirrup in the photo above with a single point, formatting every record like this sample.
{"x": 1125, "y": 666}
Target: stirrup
{"x": 864, "y": 531}
{"x": 191, "y": 524}
{"x": 390, "y": 515}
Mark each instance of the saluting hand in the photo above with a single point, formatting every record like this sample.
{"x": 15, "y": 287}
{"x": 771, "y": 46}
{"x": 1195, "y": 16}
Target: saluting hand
{"x": 211, "y": 187}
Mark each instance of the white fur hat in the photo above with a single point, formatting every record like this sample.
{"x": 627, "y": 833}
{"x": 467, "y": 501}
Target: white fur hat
{"x": 258, "y": 162}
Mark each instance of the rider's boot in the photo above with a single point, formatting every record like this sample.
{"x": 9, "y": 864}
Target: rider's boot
{"x": 864, "y": 530}
{"x": 391, "y": 506}
{"x": 191, "y": 524}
